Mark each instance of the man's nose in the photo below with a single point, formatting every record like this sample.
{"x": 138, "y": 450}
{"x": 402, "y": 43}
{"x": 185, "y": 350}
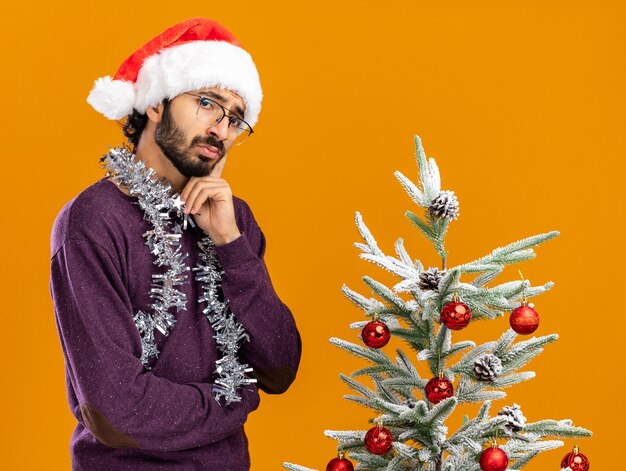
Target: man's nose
{"x": 220, "y": 130}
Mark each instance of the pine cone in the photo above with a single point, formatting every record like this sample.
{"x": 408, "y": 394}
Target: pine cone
{"x": 445, "y": 206}
{"x": 429, "y": 279}
{"x": 516, "y": 419}
{"x": 487, "y": 367}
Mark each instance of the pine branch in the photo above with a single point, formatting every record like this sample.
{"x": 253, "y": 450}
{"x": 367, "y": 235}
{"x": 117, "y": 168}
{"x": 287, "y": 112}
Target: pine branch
{"x": 404, "y": 362}
{"x": 514, "y": 252}
{"x": 414, "y": 337}
{"x": 441, "y": 411}
{"x": 400, "y": 307}
{"x": 372, "y": 253}
{"x": 358, "y": 387}
{"x": 295, "y": 467}
{"x": 523, "y": 461}
{"x": 558, "y": 429}
{"x": 403, "y": 254}
{"x": 370, "y": 305}
{"x": 465, "y": 364}
{"x": 371, "y": 354}
{"x": 506, "y": 381}
{"x": 522, "y": 352}
{"x": 375, "y": 369}
{"x": 369, "y": 403}
{"x": 411, "y": 189}
{"x": 504, "y": 342}
{"x": 423, "y": 226}
{"x": 346, "y": 435}
{"x": 486, "y": 277}
{"x": 369, "y": 462}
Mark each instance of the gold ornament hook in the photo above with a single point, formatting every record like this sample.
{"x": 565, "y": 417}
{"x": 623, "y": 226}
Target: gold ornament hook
{"x": 524, "y": 300}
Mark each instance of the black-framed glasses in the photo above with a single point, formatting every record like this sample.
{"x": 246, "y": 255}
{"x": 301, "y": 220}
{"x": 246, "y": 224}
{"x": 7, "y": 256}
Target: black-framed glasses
{"x": 210, "y": 113}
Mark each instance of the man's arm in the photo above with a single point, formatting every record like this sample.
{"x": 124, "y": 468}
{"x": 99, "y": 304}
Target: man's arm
{"x": 275, "y": 346}
{"x": 120, "y": 403}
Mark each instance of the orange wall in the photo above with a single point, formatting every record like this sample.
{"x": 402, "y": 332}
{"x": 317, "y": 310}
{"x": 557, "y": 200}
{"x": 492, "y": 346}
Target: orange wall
{"x": 522, "y": 104}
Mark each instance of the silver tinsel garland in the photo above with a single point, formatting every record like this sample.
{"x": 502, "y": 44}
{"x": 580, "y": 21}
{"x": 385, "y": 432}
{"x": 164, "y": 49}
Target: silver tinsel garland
{"x": 157, "y": 201}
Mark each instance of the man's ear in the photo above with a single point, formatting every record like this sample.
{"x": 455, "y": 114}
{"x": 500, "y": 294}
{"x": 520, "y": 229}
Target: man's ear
{"x": 155, "y": 113}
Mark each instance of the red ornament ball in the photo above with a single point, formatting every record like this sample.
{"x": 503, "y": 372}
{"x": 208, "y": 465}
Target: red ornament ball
{"x": 375, "y": 334}
{"x": 378, "y": 440}
{"x": 524, "y": 320}
{"x": 493, "y": 459}
{"x": 576, "y": 461}
{"x": 339, "y": 464}
{"x": 456, "y": 315}
{"x": 438, "y": 389}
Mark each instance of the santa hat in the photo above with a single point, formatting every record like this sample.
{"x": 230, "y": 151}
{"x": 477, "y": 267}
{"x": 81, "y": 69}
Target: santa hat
{"x": 194, "y": 54}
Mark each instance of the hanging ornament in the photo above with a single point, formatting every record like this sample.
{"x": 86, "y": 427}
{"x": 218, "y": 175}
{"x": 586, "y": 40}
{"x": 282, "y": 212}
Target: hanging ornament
{"x": 378, "y": 439}
{"x": 438, "y": 389}
{"x": 575, "y": 460}
{"x": 340, "y": 464}
{"x": 493, "y": 459}
{"x": 456, "y": 315}
{"x": 524, "y": 319}
{"x": 375, "y": 334}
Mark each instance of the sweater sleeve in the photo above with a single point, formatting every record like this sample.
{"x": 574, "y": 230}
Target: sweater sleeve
{"x": 121, "y": 403}
{"x": 275, "y": 346}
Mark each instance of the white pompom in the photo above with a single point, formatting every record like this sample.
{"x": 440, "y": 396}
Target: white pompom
{"x": 113, "y": 98}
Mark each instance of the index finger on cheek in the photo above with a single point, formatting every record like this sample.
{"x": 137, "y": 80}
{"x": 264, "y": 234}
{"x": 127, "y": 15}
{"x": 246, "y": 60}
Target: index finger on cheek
{"x": 216, "y": 171}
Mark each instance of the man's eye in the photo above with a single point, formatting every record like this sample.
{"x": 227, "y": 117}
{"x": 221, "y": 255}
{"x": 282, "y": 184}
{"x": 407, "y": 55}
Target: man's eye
{"x": 234, "y": 121}
{"x": 205, "y": 103}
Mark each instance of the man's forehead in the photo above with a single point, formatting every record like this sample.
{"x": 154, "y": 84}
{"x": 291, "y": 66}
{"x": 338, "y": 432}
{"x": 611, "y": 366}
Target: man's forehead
{"x": 223, "y": 94}
{"x": 228, "y": 98}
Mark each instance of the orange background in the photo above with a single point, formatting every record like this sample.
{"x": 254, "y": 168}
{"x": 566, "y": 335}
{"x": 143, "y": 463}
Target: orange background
{"x": 522, "y": 104}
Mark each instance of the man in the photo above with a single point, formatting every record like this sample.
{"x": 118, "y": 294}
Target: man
{"x": 166, "y": 313}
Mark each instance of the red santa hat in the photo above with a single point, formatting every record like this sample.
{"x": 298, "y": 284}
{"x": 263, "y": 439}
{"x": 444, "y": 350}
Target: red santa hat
{"x": 194, "y": 54}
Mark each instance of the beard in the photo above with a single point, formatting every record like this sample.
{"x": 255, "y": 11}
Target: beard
{"x": 171, "y": 140}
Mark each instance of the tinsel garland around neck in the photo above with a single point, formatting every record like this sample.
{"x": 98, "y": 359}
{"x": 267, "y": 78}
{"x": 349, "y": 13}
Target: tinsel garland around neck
{"x": 158, "y": 201}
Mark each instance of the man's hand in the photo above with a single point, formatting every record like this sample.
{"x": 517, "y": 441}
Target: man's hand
{"x": 210, "y": 200}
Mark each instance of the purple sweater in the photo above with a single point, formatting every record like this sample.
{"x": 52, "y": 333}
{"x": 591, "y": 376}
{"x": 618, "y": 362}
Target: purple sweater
{"x": 131, "y": 418}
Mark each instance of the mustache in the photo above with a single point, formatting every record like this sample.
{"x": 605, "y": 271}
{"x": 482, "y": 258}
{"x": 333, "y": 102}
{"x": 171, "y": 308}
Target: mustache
{"x": 208, "y": 141}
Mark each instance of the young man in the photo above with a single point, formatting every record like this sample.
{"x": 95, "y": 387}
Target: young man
{"x": 166, "y": 313}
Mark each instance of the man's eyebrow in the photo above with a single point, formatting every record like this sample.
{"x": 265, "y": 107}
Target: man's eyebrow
{"x": 217, "y": 96}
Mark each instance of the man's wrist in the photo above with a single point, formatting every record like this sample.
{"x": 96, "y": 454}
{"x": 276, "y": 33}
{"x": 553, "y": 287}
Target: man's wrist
{"x": 219, "y": 241}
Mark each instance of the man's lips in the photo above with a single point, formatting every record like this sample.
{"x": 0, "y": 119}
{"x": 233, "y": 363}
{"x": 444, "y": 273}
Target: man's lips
{"x": 209, "y": 151}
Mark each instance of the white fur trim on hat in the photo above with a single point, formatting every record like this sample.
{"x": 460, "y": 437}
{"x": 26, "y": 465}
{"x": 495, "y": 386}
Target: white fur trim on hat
{"x": 113, "y": 98}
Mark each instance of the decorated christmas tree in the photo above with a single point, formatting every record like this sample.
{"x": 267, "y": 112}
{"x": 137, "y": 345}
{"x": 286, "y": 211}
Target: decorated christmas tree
{"x": 423, "y": 309}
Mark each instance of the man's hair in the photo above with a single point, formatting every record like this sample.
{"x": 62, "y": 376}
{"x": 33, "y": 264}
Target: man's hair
{"x": 135, "y": 124}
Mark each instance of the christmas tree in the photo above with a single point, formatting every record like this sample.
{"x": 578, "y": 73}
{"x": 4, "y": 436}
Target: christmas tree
{"x": 409, "y": 431}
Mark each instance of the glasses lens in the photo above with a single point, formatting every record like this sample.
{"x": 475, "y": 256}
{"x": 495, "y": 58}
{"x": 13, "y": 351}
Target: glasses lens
{"x": 243, "y": 132}
{"x": 208, "y": 112}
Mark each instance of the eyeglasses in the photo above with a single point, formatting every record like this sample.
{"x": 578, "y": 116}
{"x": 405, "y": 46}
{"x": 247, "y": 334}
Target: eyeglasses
{"x": 210, "y": 113}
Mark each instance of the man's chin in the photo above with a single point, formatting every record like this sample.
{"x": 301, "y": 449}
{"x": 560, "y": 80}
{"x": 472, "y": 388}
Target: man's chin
{"x": 203, "y": 167}
{"x": 200, "y": 172}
